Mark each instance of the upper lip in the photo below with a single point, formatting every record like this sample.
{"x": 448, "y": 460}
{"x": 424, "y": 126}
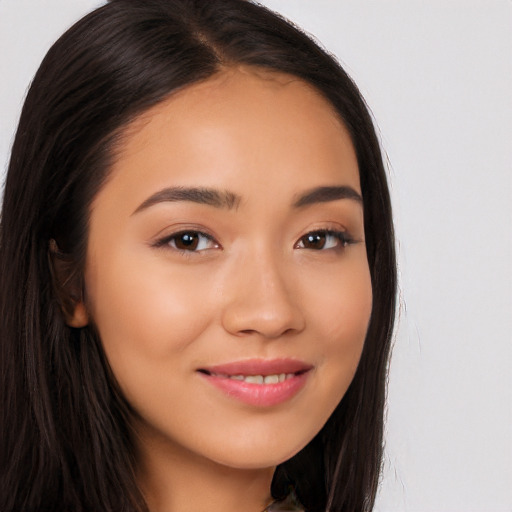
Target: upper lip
{"x": 259, "y": 367}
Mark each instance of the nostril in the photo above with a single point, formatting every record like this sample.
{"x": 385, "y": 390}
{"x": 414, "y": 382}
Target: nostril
{"x": 248, "y": 331}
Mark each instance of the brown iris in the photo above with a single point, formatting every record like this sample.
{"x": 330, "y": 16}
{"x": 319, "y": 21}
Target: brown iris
{"x": 314, "y": 240}
{"x": 186, "y": 241}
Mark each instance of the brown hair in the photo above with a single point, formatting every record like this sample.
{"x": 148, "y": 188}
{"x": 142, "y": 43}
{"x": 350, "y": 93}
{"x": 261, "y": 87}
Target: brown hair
{"x": 66, "y": 442}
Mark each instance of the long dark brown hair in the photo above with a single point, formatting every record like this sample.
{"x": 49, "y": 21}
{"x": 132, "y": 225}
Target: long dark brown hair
{"x": 66, "y": 443}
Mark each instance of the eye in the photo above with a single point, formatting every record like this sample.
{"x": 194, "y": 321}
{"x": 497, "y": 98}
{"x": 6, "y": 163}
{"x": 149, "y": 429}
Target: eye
{"x": 324, "y": 239}
{"x": 189, "y": 241}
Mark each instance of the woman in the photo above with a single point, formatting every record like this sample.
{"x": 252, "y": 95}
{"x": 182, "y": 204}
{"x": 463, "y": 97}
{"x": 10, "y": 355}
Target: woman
{"x": 198, "y": 271}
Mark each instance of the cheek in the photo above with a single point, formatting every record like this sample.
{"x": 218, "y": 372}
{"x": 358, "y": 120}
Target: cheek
{"x": 340, "y": 305}
{"x": 144, "y": 312}
{"x": 340, "y": 311}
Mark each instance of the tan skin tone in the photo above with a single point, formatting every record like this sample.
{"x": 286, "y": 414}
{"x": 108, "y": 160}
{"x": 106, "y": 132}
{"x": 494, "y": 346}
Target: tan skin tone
{"x": 268, "y": 271}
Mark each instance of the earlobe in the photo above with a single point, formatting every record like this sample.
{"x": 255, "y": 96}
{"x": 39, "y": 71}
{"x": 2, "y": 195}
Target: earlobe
{"x": 79, "y": 317}
{"x": 67, "y": 286}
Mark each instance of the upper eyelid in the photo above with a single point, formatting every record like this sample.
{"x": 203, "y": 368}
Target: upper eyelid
{"x": 333, "y": 231}
{"x": 342, "y": 234}
{"x": 175, "y": 230}
{"x": 330, "y": 231}
{"x": 165, "y": 239}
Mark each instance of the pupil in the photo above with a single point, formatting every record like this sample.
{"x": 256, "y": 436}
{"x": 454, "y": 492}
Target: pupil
{"x": 316, "y": 240}
{"x": 187, "y": 241}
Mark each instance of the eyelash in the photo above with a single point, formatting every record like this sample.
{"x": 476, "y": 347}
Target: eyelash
{"x": 166, "y": 241}
{"x": 342, "y": 239}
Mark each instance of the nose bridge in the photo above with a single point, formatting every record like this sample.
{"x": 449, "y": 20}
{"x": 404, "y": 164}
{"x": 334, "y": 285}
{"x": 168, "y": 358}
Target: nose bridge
{"x": 261, "y": 298}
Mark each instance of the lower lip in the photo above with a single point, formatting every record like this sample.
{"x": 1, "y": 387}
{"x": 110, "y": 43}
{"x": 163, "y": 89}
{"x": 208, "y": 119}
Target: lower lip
{"x": 259, "y": 395}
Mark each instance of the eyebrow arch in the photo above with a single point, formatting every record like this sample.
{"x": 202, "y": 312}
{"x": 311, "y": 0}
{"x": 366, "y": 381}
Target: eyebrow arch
{"x": 326, "y": 194}
{"x": 201, "y": 195}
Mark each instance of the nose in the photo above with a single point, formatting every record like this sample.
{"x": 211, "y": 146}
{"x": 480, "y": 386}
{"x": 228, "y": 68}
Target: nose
{"x": 261, "y": 300}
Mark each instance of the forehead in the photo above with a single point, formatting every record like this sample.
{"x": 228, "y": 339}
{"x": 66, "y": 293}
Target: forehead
{"x": 234, "y": 87}
{"x": 241, "y": 127}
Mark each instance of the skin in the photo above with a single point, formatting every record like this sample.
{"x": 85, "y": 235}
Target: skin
{"x": 255, "y": 289}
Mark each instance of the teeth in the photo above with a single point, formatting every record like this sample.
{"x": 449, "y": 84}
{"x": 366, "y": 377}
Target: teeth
{"x": 260, "y": 379}
{"x": 254, "y": 379}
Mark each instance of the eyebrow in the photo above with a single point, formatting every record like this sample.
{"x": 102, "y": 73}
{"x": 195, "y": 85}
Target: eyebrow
{"x": 230, "y": 200}
{"x": 201, "y": 195}
{"x": 326, "y": 194}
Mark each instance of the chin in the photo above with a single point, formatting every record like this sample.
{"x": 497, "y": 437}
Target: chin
{"x": 263, "y": 453}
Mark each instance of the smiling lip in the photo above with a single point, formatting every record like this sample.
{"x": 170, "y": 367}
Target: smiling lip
{"x": 285, "y": 378}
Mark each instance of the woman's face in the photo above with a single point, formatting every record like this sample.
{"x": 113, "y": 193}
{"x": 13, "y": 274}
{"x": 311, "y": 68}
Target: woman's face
{"x": 226, "y": 270}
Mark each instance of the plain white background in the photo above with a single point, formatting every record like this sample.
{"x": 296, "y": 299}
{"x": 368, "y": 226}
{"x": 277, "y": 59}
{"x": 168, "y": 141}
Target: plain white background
{"x": 438, "y": 78}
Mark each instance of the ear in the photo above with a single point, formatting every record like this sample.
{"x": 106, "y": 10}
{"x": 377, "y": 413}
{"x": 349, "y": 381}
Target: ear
{"x": 67, "y": 286}
{"x": 79, "y": 317}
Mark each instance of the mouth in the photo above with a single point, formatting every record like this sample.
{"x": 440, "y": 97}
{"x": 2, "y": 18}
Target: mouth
{"x": 261, "y": 383}
{"x": 259, "y": 379}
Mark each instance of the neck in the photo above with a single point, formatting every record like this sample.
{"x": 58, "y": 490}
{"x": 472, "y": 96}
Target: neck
{"x": 173, "y": 478}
